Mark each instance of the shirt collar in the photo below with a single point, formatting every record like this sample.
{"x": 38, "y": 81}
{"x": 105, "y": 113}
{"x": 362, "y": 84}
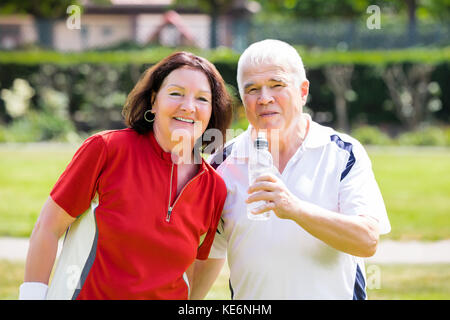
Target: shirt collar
{"x": 167, "y": 156}
{"x": 317, "y": 136}
{"x": 241, "y": 144}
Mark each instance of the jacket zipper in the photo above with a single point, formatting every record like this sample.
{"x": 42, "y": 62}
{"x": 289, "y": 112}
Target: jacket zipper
{"x": 170, "y": 208}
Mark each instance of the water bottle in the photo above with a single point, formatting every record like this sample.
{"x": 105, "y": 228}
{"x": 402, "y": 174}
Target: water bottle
{"x": 260, "y": 161}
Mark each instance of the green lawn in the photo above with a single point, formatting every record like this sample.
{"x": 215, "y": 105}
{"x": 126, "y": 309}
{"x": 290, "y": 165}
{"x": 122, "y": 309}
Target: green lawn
{"x": 397, "y": 282}
{"x": 415, "y": 185}
{"x": 27, "y": 175}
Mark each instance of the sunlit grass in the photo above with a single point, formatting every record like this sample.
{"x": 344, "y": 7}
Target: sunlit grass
{"x": 396, "y": 282}
{"x": 414, "y": 184}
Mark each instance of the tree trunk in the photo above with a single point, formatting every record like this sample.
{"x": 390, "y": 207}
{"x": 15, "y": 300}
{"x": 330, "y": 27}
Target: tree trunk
{"x": 412, "y": 22}
{"x": 213, "y": 25}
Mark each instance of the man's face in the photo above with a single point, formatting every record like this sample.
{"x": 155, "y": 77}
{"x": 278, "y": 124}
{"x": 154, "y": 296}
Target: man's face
{"x": 271, "y": 97}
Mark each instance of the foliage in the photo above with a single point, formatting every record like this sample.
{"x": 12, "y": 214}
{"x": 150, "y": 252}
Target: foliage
{"x": 90, "y": 87}
{"x": 42, "y": 9}
{"x": 371, "y": 135}
{"x": 428, "y": 136}
{"x": 151, "y": 55}
{"x": 435, "y": 9}
{"x": 51, "y": 122}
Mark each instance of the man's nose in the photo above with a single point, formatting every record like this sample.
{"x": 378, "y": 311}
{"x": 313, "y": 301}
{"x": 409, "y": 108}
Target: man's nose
{"x": 265, "y": 97}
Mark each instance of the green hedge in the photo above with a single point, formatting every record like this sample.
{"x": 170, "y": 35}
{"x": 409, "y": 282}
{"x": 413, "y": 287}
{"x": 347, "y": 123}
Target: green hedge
{"x": 95, "y": 85}
{"x": 311, "y": 58}
{"x": 425, "y": 136}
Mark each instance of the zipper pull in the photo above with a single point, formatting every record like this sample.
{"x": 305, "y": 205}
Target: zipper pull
{"x": 169, "y": 213}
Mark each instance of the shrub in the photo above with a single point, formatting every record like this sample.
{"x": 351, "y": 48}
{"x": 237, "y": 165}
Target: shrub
{"x": 428, "y": 136}
{"x": 39, "y": 126}
{"x": 371, "y": 135}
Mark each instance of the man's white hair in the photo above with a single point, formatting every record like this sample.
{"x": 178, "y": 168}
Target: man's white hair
{"x": 273, "y": 52}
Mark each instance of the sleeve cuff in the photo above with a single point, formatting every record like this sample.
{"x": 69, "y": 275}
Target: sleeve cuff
{"x": 33, "y": 291}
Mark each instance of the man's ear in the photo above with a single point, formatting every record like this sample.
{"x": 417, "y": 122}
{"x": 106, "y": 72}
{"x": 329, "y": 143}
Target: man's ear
{"x": 304, "y": 90}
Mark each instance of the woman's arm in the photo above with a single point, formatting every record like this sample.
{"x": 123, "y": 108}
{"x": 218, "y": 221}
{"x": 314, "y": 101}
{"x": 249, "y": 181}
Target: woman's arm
{"x": 204, "y": 273}
{"x": 53, "y": 221}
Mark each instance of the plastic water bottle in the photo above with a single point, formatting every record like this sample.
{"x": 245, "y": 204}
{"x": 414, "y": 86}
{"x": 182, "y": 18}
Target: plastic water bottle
{"x": 260, "y": 161}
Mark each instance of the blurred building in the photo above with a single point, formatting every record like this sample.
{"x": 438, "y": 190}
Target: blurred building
{"x": 135, "y": 21}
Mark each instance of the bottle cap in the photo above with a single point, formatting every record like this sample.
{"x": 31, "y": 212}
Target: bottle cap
{"x": 261, "y": 141}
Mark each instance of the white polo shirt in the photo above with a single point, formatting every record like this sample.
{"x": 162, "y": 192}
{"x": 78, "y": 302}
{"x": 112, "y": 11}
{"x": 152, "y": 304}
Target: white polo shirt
{"x": 277, "y": 259}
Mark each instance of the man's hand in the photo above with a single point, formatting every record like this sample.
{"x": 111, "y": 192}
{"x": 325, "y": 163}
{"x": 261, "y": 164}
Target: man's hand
{"x": 271, "y": 189}
{"x": 357, "y": 235}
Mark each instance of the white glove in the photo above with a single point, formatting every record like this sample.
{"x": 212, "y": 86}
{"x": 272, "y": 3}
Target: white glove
{"x": 33, "y": 291}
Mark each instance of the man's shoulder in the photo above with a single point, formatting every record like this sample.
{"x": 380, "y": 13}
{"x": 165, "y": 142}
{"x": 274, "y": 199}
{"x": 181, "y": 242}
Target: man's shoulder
{"x": 340, "y": 139}
{"x": 219, "y": 157}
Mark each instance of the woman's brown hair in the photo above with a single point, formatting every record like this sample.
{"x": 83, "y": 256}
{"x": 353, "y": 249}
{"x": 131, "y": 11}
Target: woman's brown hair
{"x": 139, "y": 99}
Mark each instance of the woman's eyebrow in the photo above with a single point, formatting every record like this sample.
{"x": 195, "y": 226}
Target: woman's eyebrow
{"x": 181, "y": 87}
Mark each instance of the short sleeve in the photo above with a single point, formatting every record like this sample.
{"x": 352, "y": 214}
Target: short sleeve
{"x": 205, "y": 246}
{"x": 77, "y": 185}
{"x": 219, "y": 246}
{"x": 359, "y": 193}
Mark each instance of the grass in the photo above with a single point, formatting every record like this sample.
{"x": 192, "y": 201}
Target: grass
{"x": 397, "y": 282}
{"x": 10, "y": 279}
{"x": 414, "y": 183}
{"x": 416, "y": 189}
{"x": 388, "y": 282}
{"x": 27, "y": 175}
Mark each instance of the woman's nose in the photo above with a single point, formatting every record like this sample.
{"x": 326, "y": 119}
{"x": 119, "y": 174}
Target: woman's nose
{"x": 188, "y": 105}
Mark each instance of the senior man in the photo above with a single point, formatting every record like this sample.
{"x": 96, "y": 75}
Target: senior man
{"x": 328, "y": 208}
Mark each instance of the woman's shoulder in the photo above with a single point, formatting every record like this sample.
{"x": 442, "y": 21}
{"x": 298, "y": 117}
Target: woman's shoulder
{"x": 117, "y": 137}
{"x": 218, "y": 180}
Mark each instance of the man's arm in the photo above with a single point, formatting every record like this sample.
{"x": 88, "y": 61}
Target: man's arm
{"x": 356, "y": 235}
{"x": 205, "y": 272}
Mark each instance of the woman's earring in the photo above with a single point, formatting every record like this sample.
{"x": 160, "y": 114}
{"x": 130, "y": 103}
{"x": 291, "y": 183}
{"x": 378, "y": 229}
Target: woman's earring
{"x": 145, "y": 116}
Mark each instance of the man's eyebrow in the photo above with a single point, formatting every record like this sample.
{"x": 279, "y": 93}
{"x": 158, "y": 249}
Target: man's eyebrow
{"x": 249, "y": 84}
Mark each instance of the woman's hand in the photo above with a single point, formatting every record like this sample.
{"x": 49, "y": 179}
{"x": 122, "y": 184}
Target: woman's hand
{"x": 271, "y": 189}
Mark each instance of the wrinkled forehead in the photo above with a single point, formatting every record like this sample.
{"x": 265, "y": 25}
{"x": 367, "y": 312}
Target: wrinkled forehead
{"x": 265, "y": 72}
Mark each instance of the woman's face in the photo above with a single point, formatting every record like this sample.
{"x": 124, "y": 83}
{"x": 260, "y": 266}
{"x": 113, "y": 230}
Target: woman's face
{"x": 182, "y": 107}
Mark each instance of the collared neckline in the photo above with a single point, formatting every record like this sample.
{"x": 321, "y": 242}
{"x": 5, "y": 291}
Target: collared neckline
{"x": 167, "y": 156}
{"x": 317, "y": 136}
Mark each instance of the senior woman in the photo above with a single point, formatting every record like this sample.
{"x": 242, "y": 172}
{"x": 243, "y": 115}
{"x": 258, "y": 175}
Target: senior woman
{"x": 328, "y": 208}
{"x": 137, "y": 212}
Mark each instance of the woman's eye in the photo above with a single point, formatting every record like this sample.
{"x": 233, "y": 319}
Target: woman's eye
{"x": 203, "y": 99}
{"x": 176, "y": 94}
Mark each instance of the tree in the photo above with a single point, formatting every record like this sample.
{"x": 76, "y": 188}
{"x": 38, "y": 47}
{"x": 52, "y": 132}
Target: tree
{"x": 409, "y": 92}
{"x": 317, "y": 8}
{"x": 339, "y": 81}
